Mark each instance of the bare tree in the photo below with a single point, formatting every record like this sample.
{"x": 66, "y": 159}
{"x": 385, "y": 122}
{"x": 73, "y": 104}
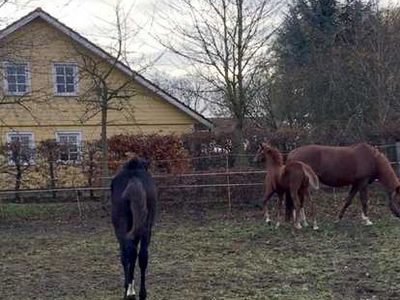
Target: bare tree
{"x": 189, "y": 89}
{"x": 101, "y": 92}
{"x": 20, "y": 158}
{"x": 222, "y": 41}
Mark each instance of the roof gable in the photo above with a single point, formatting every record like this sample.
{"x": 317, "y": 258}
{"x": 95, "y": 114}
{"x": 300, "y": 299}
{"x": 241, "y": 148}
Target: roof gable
{"x": 39, "y": 13}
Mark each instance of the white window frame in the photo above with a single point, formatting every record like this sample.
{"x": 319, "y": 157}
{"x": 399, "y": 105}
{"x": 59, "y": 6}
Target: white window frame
{"x": 76, "y": 78}
{"x": 28, "y": 78}
{"x": 79, "y": 145}
{"x": 31, "y": 143}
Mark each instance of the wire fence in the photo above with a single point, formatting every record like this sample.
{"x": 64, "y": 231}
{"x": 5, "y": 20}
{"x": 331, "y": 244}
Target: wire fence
{"x": 211, "y": 176}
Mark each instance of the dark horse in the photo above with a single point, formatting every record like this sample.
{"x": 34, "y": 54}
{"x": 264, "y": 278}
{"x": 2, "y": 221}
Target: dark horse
{"x": 294, "y": 178}
{"x": 133, "y": 196}
{"x": 357, "y": 165}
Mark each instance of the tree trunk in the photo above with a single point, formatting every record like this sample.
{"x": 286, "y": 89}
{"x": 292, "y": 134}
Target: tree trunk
{"x": 241, "y": 159}
{"x": 91, "y": 170}
{"x": 104, "y": 151}
{"x": 18, "y": 177}
{"x": 52, "y": 176}
{"x": 238, "y": 145}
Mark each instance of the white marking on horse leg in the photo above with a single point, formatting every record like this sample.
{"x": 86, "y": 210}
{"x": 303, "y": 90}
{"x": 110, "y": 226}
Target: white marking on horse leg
{"x": 303, "y": 217}
{"x": 131, "y": 289}
{"x": 302, "y": 214}
{"x": 277, "y": 224}
{"x": 366, "y": 219}
{"x": 267, "y": 218}
{"x": 315, "y": 226}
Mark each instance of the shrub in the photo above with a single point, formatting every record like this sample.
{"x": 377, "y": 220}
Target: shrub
{"x": 165, "y": 151}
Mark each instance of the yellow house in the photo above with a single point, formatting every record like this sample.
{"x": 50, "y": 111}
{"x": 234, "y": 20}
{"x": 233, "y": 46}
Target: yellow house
{"x": 48, "y": 92}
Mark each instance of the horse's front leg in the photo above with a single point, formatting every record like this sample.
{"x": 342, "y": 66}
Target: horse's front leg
{"x": 267, "y": 196}
{"x": 364, "y": 206}
{"x": 347, "y": 201}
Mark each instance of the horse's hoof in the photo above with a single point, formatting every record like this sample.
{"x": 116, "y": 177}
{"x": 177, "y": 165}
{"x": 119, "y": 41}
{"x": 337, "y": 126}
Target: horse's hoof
{"x": 277, "y": 225}
{"x": 297, "y": 226}
{"x": 268, "y": 221}
{"x": 305, "y": 224}
{"x": 315, "y": 227}
{"x": 130, "y": 292}
{"x": 368, "y": 223}
{"x": 142, "y": 296}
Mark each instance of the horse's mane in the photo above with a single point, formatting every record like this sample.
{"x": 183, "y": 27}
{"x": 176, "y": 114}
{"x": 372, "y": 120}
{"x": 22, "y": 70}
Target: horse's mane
{"x": 134, "y": 164}
{"x": 387, "y": 175}
{"x": 275, "y": 155}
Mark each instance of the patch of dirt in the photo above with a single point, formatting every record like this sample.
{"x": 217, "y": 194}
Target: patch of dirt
{"x": 49, "y": 252}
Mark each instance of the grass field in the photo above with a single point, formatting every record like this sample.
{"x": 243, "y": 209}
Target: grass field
{"x": 48, "y": 252}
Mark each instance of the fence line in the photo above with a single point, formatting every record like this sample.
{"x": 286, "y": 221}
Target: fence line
{"x": 72, "y": 189}
{"x": 78, "y": 162}
{"x": 227, "y": 173}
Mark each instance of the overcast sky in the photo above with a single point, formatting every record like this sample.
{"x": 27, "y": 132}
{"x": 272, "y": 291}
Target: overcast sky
{"x": 92, "y": 17}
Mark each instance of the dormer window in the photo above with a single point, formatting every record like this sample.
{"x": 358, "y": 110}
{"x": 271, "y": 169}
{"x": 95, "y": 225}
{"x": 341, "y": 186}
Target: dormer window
{"x": 16, "y": 79}
{"x": 65, "y": 79}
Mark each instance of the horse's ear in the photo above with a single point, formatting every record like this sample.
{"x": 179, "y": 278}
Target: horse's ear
{"x": 147, "y": 163}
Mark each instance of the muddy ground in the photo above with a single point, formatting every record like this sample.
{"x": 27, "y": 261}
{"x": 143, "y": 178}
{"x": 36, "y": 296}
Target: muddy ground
{"x": 201, "y": 252}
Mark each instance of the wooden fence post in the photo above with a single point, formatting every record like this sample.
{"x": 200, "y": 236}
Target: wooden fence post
{"x": 228, "y": 183}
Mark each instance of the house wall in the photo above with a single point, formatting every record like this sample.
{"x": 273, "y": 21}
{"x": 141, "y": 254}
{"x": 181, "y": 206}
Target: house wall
{"x": 43, "y": 113}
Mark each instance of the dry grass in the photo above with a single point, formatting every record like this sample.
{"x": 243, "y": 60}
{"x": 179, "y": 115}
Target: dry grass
{"x": 46, "y": 252}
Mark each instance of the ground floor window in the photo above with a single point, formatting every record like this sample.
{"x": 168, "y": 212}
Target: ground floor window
{"x": 70, "y": 144}
{"x": 21, "y": 147}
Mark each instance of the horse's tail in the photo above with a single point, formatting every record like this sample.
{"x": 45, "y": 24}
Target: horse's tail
{"x": 312, "y": 177}
{"x": 137, "y": 197}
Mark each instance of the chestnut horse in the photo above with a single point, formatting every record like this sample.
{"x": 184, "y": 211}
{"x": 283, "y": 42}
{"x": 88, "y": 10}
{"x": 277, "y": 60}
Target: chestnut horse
{"x": 133, "y": 196}
{"x": 293, "y": 178}
{"x": 356, "y": 165}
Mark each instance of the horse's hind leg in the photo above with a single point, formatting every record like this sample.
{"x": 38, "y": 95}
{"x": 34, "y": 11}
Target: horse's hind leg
{"x": 347, "y": 201}
{"x": 143, "y": 261}
{"x": 296, "y": 211}
{"x": 279, "y": 210}
{"x": 302, "y": 193}
{"x": 128, "y": 260}
{"x": 364, "y": 205}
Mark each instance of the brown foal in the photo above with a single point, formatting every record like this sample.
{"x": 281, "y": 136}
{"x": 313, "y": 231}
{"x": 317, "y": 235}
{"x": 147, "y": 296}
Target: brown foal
{"x": 293, "y": 178}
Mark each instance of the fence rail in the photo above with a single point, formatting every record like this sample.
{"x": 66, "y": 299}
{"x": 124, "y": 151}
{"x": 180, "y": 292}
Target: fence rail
{"x": 196, "y": 180}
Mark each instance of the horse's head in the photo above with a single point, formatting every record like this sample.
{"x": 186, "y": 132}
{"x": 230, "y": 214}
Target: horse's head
{"x": 268, "y": 153}
{"x": 261, "y": 152}
{"x": 394, "y": 201}
{"x": 137, "y": 162}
